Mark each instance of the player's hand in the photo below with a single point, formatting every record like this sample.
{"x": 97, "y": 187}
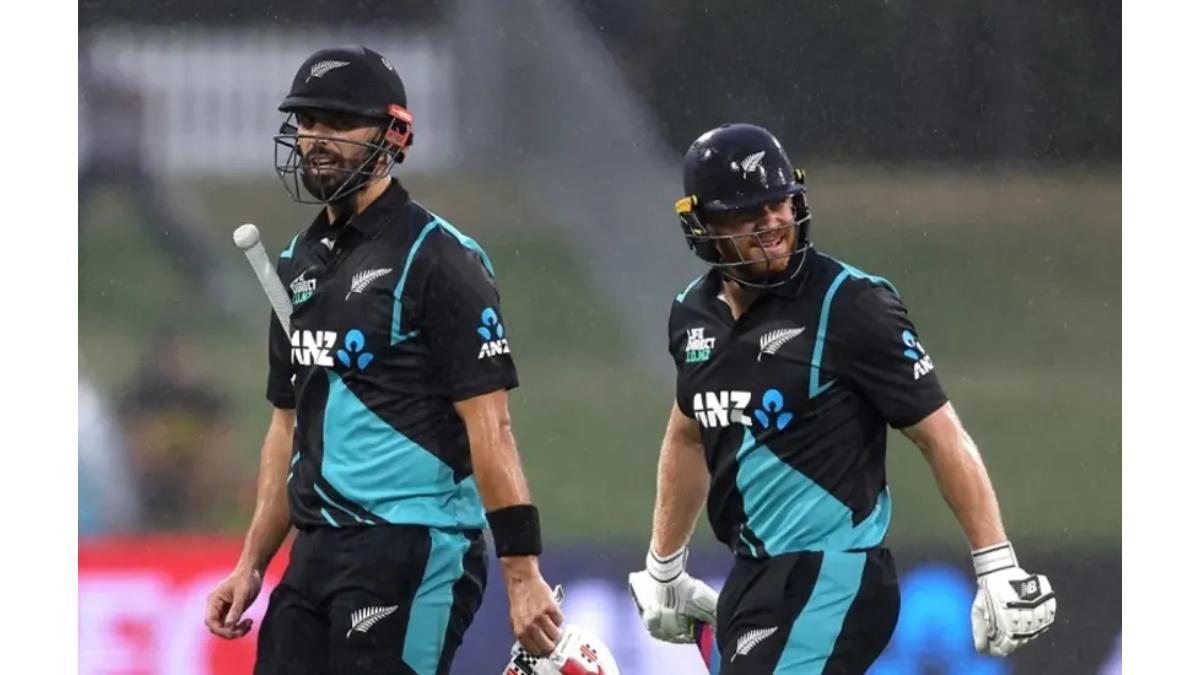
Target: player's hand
{"x": 577, "y": 653}
{"x": 227, "y": 602}
{"x": 1012, "y": 606}
{"x": 670, "y": 601}
{"x": 533, "y": 610}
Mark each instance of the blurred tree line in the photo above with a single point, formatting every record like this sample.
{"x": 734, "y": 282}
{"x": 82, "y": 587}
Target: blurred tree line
{"x": 945, "y": 80}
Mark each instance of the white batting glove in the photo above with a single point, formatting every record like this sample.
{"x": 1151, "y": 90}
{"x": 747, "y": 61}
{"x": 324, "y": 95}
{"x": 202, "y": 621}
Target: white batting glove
{"x": 1012, "y": 606}
{"x": 670, "y": 601}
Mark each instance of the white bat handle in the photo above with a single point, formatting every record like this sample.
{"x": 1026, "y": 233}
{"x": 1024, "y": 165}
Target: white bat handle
{"x": 246, "y": 237}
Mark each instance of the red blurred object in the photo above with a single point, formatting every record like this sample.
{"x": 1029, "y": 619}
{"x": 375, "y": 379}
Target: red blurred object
{"x": 141, "y": 605}
{"x": 706, "y": 641}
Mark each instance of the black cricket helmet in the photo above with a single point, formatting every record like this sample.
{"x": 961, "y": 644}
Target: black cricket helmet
{"x": 351, "y": 80}
{"x": 732, "y": 168}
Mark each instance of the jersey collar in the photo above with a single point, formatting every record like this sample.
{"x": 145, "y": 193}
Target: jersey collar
{"x": 370, "y": 222}
{"x": 795, "y": 285}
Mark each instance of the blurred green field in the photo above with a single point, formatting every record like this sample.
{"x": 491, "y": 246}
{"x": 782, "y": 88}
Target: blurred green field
{"x": 1012, "y": 278}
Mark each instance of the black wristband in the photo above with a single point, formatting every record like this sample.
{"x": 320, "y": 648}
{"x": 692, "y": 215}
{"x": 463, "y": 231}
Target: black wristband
{"x": 516, "y": 530}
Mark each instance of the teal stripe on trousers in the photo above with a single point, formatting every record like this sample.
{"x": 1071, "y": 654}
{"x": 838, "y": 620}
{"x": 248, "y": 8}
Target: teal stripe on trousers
{"x": 817, "y": 627}
{"x": 429, "y": 616}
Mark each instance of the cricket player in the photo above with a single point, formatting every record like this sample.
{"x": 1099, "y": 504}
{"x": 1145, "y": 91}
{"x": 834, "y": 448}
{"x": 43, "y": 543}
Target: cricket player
{"x": 791, "y": 366}
{"x": 389, "y": 447}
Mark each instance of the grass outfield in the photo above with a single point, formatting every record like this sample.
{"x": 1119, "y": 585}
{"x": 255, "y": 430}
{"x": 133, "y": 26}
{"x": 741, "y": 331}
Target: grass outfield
{"x": 1013, "y": 280}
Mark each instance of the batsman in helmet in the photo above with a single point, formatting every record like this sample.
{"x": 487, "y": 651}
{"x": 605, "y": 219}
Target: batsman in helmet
{"x": 390, "y": 447}
{"x": 791, "y": 365}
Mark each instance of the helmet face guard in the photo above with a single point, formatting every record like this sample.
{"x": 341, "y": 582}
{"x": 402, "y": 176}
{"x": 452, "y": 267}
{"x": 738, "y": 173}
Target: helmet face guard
{"x": 389, "y": 145}
{"x": 705, "y": 244}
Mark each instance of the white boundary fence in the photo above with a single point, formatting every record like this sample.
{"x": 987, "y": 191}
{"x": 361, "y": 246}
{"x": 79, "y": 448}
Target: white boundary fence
{"x": 210, "y": 96}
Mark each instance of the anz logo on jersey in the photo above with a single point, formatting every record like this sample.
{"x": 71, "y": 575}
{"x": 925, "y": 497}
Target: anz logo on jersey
{"x": 715, "y": 409}
{"x": 922, "y": 364}
{"x": 317, "y": 348}
{"x": 492, "y": 332}
{"x": 313, "y": 347}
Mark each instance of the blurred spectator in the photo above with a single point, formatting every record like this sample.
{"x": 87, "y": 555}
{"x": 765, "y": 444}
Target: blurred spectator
{"x": 107, "y": 501}
{"x": 180, "y": 439}
{"x": 111, "y": 126}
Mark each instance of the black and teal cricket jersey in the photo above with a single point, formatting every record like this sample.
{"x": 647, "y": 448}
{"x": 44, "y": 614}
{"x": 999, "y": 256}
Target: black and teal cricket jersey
{"x": 396, "y": 316}
{"x": 794, "y": 399}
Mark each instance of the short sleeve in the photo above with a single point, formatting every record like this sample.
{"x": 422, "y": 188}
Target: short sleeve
{"x": 888, "y": 363}
{"x": 464, "y": 329}
{"x": 675, "y": 344}
{"x": 281, "y": 391}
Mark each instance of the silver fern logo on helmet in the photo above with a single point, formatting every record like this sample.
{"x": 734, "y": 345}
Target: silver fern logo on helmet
{"x": 750, "y": 163}
{"x": 321, "y": 67}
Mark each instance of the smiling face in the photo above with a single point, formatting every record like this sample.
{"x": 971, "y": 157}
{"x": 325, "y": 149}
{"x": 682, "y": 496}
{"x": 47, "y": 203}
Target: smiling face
{"x": 758, "y": 240}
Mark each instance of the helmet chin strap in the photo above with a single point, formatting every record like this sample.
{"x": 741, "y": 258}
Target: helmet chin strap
{"x": 344, "y": 205}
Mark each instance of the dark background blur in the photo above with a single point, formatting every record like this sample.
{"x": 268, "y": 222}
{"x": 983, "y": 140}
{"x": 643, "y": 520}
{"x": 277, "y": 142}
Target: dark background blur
{"x": 968, "y": 151}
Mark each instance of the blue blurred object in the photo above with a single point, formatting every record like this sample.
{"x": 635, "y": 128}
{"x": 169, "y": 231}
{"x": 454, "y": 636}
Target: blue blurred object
{"x": 107, "y": 499}
{"x": 932, "y": 636}
{"x": 934, "y": 631}
{"x": 1113, "y": 665}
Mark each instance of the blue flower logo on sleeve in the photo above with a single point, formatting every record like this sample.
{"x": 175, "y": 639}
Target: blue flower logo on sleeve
{"x": 922, "y": 364}
{"x": 492, "y": 332}
{"x": 915, "y": 351}
{"x": 491, "y": 325}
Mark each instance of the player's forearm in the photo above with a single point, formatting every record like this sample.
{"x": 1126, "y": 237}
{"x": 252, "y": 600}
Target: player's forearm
{"x": 963, "y": 481}
{"x": 497, "y": 468}
{"x": 271, "y": 521}
{"x": 682, "y": 488}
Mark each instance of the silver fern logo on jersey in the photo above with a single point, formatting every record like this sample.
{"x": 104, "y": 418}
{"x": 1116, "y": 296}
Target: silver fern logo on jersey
{"x": 319, "y": 68}
{"x": 771, "y": 341}
{"x": 360, "y": 280}
{"x": 751, "y": 639}
{"x": 362, "y": 620}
